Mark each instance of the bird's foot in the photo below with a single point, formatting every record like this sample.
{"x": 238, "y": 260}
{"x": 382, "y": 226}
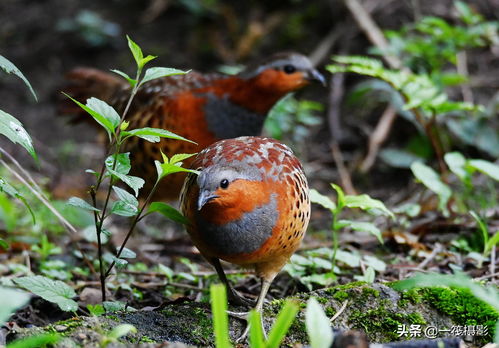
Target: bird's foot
{"x": 244, "y": 316}
{"x": 237, "y": 300}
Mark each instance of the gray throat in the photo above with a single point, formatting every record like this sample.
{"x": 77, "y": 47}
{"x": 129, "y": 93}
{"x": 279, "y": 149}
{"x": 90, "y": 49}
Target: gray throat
{"x": 244, "y": 235}
{"x": 228, "y": 120}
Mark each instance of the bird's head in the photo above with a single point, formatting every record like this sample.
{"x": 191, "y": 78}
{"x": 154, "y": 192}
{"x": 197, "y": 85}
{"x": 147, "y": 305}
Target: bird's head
{"x": 224, "y": 187}
{"x": 283, "y": 73}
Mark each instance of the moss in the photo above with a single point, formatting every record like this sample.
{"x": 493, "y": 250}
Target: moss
{"x": 321, "y": 300}
{"x": 146, "y": 339}
{"x": 462, "y": 307}
{"x": 70, "y": 324}
{"x": 341, "y": 296}
{"x": 367, "y": 291}
{"x": 330, "y": 311}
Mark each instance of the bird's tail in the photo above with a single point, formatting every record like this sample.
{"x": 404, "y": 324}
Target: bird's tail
{"x": 84, "y": 83}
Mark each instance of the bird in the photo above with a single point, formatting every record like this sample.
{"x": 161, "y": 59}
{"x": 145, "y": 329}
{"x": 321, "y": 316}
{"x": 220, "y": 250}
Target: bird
{"x": 201, "y": 107}
{"x": 249, "y": 205}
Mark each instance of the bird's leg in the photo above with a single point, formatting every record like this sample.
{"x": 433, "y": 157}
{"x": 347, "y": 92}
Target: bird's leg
{"x": 259, "y": 308}
{"x": 233, "y": 296}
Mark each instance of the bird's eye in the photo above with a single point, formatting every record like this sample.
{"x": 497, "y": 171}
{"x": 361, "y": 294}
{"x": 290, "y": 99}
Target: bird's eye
{"x": 224, "y": 183}
{"x": 289, "y": 69}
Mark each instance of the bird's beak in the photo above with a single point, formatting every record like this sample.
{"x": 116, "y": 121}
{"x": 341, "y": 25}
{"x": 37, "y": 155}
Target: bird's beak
{"x": 205, "y": 197}
{"x": 315, "y": 75}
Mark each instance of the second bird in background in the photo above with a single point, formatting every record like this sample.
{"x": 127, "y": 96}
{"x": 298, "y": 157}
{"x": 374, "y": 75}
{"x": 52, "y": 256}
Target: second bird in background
{"x": 204, "y": 108}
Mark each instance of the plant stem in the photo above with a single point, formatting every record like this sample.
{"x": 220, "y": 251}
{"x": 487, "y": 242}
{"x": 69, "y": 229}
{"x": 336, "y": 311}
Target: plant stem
{"x": 132, "y": 227}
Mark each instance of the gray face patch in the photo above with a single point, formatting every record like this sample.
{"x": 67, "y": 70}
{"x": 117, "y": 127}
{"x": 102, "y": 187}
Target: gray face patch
{"x": 244, "y": 235}
{"x": 227, "y": 120}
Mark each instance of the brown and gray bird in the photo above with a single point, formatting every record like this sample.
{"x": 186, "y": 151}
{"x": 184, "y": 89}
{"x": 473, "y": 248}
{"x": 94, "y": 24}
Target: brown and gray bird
{"x": 249, "y": 205}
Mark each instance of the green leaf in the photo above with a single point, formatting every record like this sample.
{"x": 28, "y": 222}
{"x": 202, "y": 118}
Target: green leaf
{"x": 168, "y": 211}
{"x": 131, "y": 81}
{"x": 53, "y": 291}
{"x": 180, "y": 157}
{"x": 5, "y": 246}
{"x": 428, "y": 177}
{"x": 157, "y": 72}
{"x": 108, "y": 124}
{"x": 325, "y": 201}
{"x": 14, "y": 130}
{"x": 364, "y": 227}
{"x": 119, "y": 262}
{"x": 122, "y": 165}
{"x": 282, "y": 323}
{"x": 127, "y": 205}
{"x": 104, "y": 109}
{"x": 11, "y": 191}
{"x": 136, "y": 51}
{"x": 10, "y": 68}
{"x": 41, "y": 340}
{"x": 134, "y": 182}
{"x": 375, "y": 263}
{"x": 256, "y": 338}
{"x": 486, "y": 167}
{"x": 96, "y": 310}
{"x": 164, "y": 169}
{"x": 341, "y": 196}
{"x": 457, "y": 163}
{"x": 153, "y": 135}
{"x": 122, "y": 330}
{"x": 80, "y": 203}
{"x": 114, "y": 306}
{"x": 220, "y": 320}
{"x": 318, "y": 325}
{"x": 127, "y": 253}
{"x": 10, "y": 301}
{"x": 146, "y": 60}
{"x": 90, "y": 234}
{"x": 368, "y": 204}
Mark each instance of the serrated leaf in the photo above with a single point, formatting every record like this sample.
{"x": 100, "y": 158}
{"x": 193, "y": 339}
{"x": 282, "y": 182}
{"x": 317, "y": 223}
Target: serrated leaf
{"x": 10, "y": 301}
{"x": 107, "y": 124}
{"x": 104, "y": 109}
{"x": 154, "y": 134}
{"x": 10, "y": 68}
{"x": 80, "y": 203}
{"x": 134, "y": 182}
{"x": 158, "y": 72}
{"x": 326, "y": 202}
{"x": 131, "y": 81}
{"x": 318, "y": 325}
{"x": 127, "y": 253}
{"x": 428, "y": 177}
{"x": 13, "y": 129}
{"x": 168, "y": 211}
{"x": 123, "y": 164}
{"x": 127, "y": 204}
{"x": 53, "y": 291}
{"x": 365, "y": 202}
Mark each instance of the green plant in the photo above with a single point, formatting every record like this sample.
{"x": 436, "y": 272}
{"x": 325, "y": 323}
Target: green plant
{"x": 318, "y": 325}
{"x": 363, "y": 202}
{"x": 488, "y": 295}
{"x": 117, "y": 166}
{"x": 41, "y": 340}
{"x": 256, "y": 336}
{"x": 116, "y": 333}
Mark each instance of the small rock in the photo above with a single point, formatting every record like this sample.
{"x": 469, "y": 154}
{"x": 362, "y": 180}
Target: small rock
{"x": 60, "y": 328}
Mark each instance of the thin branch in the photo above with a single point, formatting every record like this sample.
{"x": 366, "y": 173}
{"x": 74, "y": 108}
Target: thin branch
{"x": 372, "y": 31}
{"x": 378, "y": 137}
{"x": 340, "y": 311}
{"x": 346, "y": 180}
{"x": 462, "y": 69}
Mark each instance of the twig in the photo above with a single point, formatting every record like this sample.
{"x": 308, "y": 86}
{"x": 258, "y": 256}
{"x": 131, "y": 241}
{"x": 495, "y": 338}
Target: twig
{"x": 487, "y": 276}
{"x": 324, "y": 47}
{"x": 340, "y": 311}
{"x": 372, "y": 31}
{"x": 462, "y": 69}
{"x": 346, "y": 180}
{"x": 378, "y": 137}
{"x": 492, "y": 266}
{"x": 430, "y": 257}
